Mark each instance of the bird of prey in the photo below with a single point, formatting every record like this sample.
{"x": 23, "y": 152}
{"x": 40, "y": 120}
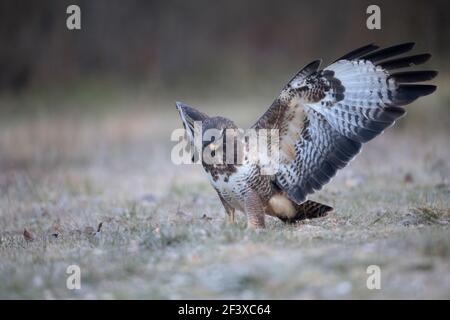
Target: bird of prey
{"x": 323, "y": 116}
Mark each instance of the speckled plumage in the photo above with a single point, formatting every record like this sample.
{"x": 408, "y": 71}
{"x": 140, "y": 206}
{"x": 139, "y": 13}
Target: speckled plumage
{"x": 322, "y": 117}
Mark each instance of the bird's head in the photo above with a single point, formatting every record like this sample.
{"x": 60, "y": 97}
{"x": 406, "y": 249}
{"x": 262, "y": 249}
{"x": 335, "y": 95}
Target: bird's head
{"x": 215, "y": 130}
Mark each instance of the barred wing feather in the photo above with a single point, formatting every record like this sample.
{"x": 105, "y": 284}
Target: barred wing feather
{"x": 324, "y": 116}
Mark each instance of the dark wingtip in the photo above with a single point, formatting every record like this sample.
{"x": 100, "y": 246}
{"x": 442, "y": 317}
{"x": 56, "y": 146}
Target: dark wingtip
{"x": 407, "y": 93}
{"x": 389, "y": 52}
{"x": 430, "y": 90}
{"x": 414, "y": 76}
{"x": 359, "y": 52}
{"x": 405, "y": 62}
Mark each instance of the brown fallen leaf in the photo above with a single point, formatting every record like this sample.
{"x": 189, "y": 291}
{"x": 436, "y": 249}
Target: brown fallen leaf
{"x": 28, "y": 235}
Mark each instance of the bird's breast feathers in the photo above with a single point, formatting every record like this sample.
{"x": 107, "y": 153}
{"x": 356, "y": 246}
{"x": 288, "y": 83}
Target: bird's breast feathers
{"x": 231, "y": 184}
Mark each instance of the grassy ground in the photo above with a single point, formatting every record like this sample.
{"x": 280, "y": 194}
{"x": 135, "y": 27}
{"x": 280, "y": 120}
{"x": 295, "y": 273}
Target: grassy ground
{"x": 163, "y": 232}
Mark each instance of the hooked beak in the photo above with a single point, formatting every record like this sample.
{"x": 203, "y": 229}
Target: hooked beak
{"x": 188, "y": 116}
{"x": 179, "y": 105}
{"x": 182, "y": 108}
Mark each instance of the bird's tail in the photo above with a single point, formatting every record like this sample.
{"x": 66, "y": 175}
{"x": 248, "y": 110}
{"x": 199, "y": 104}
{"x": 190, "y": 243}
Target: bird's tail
{"x": 308, "y": 210}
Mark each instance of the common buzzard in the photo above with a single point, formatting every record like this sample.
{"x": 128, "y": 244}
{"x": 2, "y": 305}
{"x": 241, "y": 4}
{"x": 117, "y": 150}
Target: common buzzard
{"x": 323, "y": 116}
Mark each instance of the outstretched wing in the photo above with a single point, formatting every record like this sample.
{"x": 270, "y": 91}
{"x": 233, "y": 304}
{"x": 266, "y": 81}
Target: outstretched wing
{"x": 324, "y": 116}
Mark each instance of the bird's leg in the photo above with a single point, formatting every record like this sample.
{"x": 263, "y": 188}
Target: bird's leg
{"x": 231, "y": 216}
{"x": 229, "y": 209}
{"x": 255, "y": 210}
{"x": 230, "y": 212}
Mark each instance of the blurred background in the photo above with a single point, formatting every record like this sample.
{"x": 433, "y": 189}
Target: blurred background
{"x": 131, "y": 60}
{"x": 198, "y": 50}
{"x": 113, "y": 83}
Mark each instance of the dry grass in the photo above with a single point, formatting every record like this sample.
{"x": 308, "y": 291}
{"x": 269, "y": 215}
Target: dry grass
{"x": 164, "y": 234}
